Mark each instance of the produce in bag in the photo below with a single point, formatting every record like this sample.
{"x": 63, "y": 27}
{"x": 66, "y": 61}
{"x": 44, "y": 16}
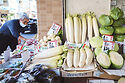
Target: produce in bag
{"x": 116, "y": 13}
{"x": 106, "y": 30}
{"x": 116, "y": 59}
{"x": 67, "y": 29}
{"x": 89, "y": 54}
{"x": 76, "y": 57}
{"x": 50, "y": 52}
{"x": 82, "y": 58}
{"x": 104, "y": 60}
{"x": 105, "y": 20}
{"x": 70, "y": 58}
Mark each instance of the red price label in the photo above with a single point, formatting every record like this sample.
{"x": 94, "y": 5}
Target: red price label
{"x": 107, "y": 38}
{"x": 108, "y": 45}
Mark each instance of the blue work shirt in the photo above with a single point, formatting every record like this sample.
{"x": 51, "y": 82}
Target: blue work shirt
{"x": 12, "y": 28}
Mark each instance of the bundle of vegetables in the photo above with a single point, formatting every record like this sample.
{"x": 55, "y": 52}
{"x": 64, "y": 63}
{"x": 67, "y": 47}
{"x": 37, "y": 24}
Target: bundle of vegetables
{"x": 110, "y": 60}
{"x": 52, "y": 57}
{"x": 113, "y": 24}
{"x": 52, "y": 37}
{"x": 78, "y": 58}
{"x": 78, "y": 30}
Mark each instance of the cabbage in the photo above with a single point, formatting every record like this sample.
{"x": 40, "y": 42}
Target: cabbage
{"x": 116, "y": 47}
{"x": 96, "y": 42}
{"x": 116, "y": 59}
{"x": 104, "y": 60}
{"x": 121, "y": 80}
{"x": 106, "y": 30}
{"x": 105, "y": 20}
{"x": 98, "y": 51}
{"x": 118, "y": 22}
{"x": 119, "y": 38}
{"x": 116, "y": 13}
{"x": 119, "y": 30}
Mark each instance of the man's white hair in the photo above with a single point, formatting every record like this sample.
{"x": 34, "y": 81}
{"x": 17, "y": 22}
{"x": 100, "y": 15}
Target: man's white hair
{"x": 24, "y": 16}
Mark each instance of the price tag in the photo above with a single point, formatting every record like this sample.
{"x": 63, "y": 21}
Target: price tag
{"x": 108, "y": 45}
{"x": 54, "y": 29}
{"x": 107, "y": 38}
{"x": 52, "y": 44}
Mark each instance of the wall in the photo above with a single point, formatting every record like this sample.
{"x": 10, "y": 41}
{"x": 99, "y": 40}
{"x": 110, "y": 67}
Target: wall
{"x": 48, "y": 11}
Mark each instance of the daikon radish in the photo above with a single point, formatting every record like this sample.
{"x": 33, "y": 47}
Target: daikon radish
{"x": 70, "y": 58}
{"x": 76, "y": 57}
{"x": 82, "y": 58}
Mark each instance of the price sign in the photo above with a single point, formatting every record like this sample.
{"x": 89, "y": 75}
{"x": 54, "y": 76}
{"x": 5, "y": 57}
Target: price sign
{"x": 52, "y": 44}
{"x": 73, "y": 45}
{"x": 108, "y": 45}
{"x": 54, "y": 29}
{"x": 107, "y": 38}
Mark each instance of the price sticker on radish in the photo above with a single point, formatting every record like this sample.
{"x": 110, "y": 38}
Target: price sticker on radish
{"x": 52, "y": 44}
{"x": 54, "y": 29}
{"x": 108, "y": 45}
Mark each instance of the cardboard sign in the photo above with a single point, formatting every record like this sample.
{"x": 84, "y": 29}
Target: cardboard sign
{"x": 52, "y": 44}
{"x": 108, "y": 45}
{"x": 54, "y": 29}
{"x": 107, "y": 38}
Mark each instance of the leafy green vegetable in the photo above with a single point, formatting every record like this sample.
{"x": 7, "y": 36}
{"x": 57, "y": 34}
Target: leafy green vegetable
{"x": 119, "y": 37}
{"x": 116, "y": 59}
{"x": 118, "y": 22}
{"x": 98, "y": 51}
{"x": 104, "y": 60}
{"x": 116, "y": 47}
{"x": 116, "y": 13}
{"x": 119, "y": 30}
{"x": 106, "y": 30}
{"x": 105, "y": 20}
{"x": 96, "y": 42}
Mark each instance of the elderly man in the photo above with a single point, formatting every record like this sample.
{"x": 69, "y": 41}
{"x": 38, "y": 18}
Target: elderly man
{"x": 10, "y": 32}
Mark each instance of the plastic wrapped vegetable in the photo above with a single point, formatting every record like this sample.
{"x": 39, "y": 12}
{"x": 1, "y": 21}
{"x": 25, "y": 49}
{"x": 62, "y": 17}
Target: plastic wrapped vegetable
{"x": 119, "y": 37}
{"x": 118, "y": 22}
{"x": 96, "y": 42}
{"x": 105, "y": 20}
{"x": 106, "y": 30}
{"x": 119, "y": 30}
{"x": 116, "y": 13}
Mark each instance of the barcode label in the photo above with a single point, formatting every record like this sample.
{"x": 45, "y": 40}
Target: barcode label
{"x": 54, "y": 29}
{"x": 52, "y": 44}
{"x": 107, "y": 38}
{"x": 108, "y": 45}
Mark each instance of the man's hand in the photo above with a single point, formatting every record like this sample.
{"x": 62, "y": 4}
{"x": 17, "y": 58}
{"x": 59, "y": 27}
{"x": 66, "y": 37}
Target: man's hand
{"x": 22, "y": 38}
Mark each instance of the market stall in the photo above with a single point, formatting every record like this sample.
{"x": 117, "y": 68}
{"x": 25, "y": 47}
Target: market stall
{"x": 88, "y": 46}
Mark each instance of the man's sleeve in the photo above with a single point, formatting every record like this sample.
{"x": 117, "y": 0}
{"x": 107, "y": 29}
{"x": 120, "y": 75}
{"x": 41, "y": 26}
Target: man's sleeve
{"x": 13, "y": 29}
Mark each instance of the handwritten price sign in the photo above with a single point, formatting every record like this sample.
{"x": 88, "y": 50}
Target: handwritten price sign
{"x": 107, "y": 38}
{"x": 54, "y": 29}
{"x": 52, "y": 44}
